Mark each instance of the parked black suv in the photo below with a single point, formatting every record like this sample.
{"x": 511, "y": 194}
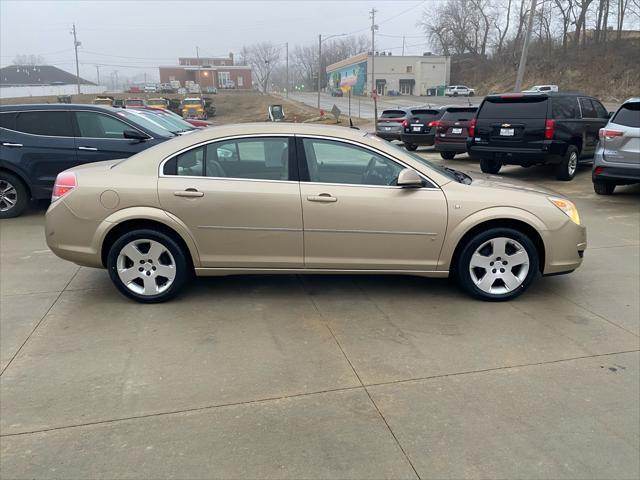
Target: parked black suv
{"x": 39, "y": 141}
{"x": 420, "y": 127}
{"x": 536, "y": 128}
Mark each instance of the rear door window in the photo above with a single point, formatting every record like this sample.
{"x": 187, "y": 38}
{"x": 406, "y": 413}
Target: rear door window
{"x": 393, "y": 114}
{"x": 600, "y": 110}
{"x": 459, "y": 114}
{"x": 425, "y": 115}
{"x": 514, "y": 107}
{"x": 628, "y": 115}
{"x": 587, "y": 108}
{"x": 8, "y": 120}
{"x": 48, "y": 123}
{"x": 564, "y": 108}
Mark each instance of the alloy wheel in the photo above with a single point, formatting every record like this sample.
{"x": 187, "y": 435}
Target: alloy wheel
{"x": 500, "y": 265}
{"x": 146, "y": 267}
{"x": 572, "y": 164}
{"x": 8, "y": 196}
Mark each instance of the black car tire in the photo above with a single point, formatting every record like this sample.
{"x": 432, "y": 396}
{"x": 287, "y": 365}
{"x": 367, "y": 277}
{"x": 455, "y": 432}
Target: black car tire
{"x": 490, "y": 165}
{"x": 568, "y": 166}
{"x": 455, "y": 94}
{"x": 604, "y": 188}
{"x": 447, "y": 155}
{"x": 16, "y": 191}
{"x": 182, "y": 265}
{"x": 411, "y": 147}
{"x": 462, "y": 266}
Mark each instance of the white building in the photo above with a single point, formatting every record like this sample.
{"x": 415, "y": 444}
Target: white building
{"x": 407, "y": 75}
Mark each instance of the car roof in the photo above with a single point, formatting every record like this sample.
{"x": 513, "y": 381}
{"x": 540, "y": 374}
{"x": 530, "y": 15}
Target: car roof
{"x": 539, "y": 94}
{"x": 632, "y": 100}
{"x": 57, "y": 106}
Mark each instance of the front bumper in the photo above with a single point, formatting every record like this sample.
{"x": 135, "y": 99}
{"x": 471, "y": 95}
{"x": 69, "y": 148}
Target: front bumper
{"x": 565, "y": 248}
{"x": 424, "y": 139}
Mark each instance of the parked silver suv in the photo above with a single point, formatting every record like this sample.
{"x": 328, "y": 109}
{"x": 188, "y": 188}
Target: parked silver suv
{"x": 617, "y": 157}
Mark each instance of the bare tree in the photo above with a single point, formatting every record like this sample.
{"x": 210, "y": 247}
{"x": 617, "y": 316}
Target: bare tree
{"x": 263, "y": 58}
{"x": 29, "y": 60}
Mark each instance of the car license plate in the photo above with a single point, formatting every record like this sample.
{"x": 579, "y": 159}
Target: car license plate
{"x": 506, "y": 132}
{"x": 417, "y": 128}
{"x": 456, "y": 131}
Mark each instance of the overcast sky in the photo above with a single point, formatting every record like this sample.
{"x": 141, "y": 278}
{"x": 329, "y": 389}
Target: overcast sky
{"x": 134, "y": 36}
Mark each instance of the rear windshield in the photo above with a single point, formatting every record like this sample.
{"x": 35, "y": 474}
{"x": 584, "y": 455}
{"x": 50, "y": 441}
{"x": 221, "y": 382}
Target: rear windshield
{"x": 628, "y": 115}
{"x": 505, "y": 108}
{"x": 393, "y": 114}
{"x": 459, "y": 114}
{"x": 426, "y": 114}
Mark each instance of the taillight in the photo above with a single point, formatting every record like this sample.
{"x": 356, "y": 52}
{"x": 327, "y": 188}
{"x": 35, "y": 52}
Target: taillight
{"x": 65, "y": 182}
{"x": 549, "y": 129}
{"x": 606, "y": 133}
{"x": 405, "y": 124}
{"x": 472, "y": 127}
{"x": 435, "y": 123}
{"x": 598, "y": 170}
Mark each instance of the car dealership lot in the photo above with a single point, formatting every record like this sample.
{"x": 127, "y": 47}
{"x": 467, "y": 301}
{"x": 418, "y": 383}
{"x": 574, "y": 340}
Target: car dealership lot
{"x": 325, "y": 376}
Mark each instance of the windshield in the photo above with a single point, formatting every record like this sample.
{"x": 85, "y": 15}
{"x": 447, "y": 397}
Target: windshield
{"x": 156, "y": 102}
{"x": 178, "y": 123}
{"x": 153, "y": 127}
{"x": 192, "y": 102}
{"x": 434, "y": 166}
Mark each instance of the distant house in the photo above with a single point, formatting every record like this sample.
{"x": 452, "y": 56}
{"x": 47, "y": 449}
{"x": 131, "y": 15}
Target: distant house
{"x": 208, "y": 72}
{"x": 36, "y": 75}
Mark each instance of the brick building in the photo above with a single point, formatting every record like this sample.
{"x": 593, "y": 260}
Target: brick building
{"x": 208, "y": 72}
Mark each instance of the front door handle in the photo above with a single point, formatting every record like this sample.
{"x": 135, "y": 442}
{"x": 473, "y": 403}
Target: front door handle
{"x": 12, "y": 145}
{"x": 189, "y": 193}
{"x": 323, "y": 197}
{"x": 90, "y": 149}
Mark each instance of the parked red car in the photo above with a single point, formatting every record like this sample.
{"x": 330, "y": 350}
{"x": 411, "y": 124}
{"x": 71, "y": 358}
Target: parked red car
{"x": 452, "y": 131}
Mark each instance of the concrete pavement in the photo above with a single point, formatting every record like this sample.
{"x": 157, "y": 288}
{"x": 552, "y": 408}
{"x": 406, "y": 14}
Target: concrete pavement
{"x": 325, "y": 376}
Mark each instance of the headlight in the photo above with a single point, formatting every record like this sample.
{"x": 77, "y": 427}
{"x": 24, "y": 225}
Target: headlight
{"x": 567, "y": 207}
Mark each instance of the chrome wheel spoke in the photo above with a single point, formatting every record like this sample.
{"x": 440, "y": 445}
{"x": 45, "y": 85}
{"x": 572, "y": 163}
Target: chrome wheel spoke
{"x": 150, "y": 286}
{"x": 155, "y": 251}
{"x": 480, "y": 261}
{"x": 144, "y": 273}
{"x": 166, "y": 271}
{"x": 128, "y": 275}
{"x": 499, "y": 246}
{"x": 131, "y": 251}
{"x": 486, "y": 282}
{"x": 494, "y": 273}
{"x": 518, "y": 258}
{"x": 511, "y": 282}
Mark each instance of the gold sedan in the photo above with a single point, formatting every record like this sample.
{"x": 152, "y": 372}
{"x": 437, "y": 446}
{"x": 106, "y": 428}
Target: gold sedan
{"x": 294, "y": 198}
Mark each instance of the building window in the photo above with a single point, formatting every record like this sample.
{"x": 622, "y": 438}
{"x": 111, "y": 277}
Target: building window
{"x": 224, "y": 79}
{"x": 409, "y": 69}
{"x": 240, "y": 81}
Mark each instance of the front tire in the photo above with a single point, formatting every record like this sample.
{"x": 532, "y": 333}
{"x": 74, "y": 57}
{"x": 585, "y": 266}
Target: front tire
{"x": 14, "y": 196}
{"x": 411, "y": 147}
{"x": 490, "y": 165}
{"x": 497, "y": 265}
{"x": 148, "y": 266}
{"x": 447, "y": 155}
{"x": 604, "y": 188}
{"x": 568, "y": 166}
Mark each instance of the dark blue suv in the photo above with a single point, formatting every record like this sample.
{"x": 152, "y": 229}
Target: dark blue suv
{"x": 39, "y": 141}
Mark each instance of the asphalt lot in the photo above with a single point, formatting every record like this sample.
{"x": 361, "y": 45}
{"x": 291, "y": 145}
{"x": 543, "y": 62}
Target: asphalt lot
{"x": 327, "y": 376}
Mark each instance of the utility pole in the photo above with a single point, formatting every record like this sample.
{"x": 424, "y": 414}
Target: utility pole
{"x": 403, "y": 37}
{"x": 76, "y": 44}
{"x": 198, "y": 59}
{"x": 374, "y": 90}
{"x": 115, "y": 73}
{"x": 287, "y": 63}
{"x": 98, "y": 73}
{"x": 319, "y": 65}
{"x": 525, "y": 48}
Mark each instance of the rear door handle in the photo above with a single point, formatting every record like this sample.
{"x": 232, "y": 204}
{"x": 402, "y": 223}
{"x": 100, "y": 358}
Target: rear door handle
{"x": 90, "y": 149}
{"x": 323, "y": 198}
{"x": 12, "y": 145}
{"x": 189, "y": 193}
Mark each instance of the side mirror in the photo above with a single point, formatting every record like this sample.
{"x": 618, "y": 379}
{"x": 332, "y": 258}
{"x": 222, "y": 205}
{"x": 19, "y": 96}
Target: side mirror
{"x": 134, "y": 135}
{"x": 609, "y": 114}
{"x": 409, "y": 178}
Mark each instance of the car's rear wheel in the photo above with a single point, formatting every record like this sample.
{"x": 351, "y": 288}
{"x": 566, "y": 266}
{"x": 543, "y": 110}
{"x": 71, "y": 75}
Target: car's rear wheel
{"x": 148, "y": 266}
{"x": 568, "y": 166}
{"x": 604, "y": 188}
{"x": 447, "y": 155}
{"x": 497, "y": 264}
{"x": 490, "y": 165}
{"x": 14, "y": 196}
{"x": 410, "y": 146}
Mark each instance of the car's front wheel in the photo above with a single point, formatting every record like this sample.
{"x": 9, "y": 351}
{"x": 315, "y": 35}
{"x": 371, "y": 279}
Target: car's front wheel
{"x": 604, "y": 188}
{"x": 14, "y": 196}
{"x": 447, "y": 155}
{"x": 148, "y": 266}
{"x": 410, "y": 146}
{"x": 490, "y": 165}
{"x": 497, "y": 264}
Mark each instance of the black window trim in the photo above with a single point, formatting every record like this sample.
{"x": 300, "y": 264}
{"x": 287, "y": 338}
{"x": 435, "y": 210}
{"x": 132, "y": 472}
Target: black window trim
{"x": 76, "y": 127}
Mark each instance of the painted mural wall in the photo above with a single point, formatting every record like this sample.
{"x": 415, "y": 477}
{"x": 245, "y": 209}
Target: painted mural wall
{"x": 352, "y": 76}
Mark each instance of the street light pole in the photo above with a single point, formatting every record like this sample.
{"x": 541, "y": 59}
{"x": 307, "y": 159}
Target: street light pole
{"x": 374, "y": 89}
{"x": 287, "y": 50}
{"x": 319, "y": 65}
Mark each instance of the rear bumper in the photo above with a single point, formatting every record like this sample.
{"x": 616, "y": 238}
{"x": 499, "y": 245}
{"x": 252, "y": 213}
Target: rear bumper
{"x": 388, "y": 135}
{"x": 618, "y": 175}
{"x": 457, "y": 147}
{"x": 513, "y": 156}
{"x": 425, "y": 139}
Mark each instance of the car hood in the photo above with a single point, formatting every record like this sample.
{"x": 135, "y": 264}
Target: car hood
{"x": 500, "y": 183}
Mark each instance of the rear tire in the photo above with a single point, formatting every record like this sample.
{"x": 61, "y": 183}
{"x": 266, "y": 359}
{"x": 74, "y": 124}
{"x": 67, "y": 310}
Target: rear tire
{"x": 148, "y": 266}
{"x": 568, "y": 166}
{"x": 497, "y": 265}
{"x": 604, "y": 188}
{"x": 411, "y": 147}
{"x": 447, "y": 155}
{"x": 14, "y": 196}
{"x": 490, "y": 165}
